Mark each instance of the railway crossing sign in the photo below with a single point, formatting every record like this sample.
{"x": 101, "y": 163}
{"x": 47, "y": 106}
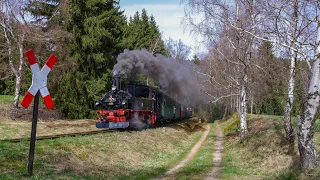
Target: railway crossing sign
{"x": 39, "y": 84}
{"x": 39, "y": 80}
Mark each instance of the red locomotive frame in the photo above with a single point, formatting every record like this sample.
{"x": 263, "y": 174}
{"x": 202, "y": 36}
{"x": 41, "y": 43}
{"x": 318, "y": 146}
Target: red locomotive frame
{"x": 125, "y": 115}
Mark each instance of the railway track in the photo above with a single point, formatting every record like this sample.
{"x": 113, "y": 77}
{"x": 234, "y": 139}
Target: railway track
{"x": 58, "y": 136}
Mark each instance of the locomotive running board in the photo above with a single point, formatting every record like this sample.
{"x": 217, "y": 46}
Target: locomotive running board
{"x": 112, "y": 125}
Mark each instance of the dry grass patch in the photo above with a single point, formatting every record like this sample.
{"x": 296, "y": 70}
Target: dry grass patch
{"x": 10, "y": 129}
{"x": 275, "y": 163}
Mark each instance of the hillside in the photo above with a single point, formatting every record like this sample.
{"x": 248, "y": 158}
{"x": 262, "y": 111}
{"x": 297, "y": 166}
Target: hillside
{"x": 266, "y": 154}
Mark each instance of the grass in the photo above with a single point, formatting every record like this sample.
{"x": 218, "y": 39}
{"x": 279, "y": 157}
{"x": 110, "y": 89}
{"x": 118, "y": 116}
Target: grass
{"x": 266, "y": 154}
{"x": 5, "y": 106}
{"x": 18, "y": 129}
{"x": 6, "y": 99}
{"x": 118, "y": 155}
{"x": 317, "y": 125}
{"x": 230, "y": 169}
{"x": 202, "y": 162}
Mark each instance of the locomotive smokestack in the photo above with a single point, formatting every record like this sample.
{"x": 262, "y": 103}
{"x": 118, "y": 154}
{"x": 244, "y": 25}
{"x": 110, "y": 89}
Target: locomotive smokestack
{"x": 116, "y": 85}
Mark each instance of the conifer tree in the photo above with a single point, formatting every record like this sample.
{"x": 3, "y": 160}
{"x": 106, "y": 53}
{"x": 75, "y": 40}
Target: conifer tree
{"x": 43, "y": 11}
{"x": 143, "y": 32}
{"x": 97, "y": 28}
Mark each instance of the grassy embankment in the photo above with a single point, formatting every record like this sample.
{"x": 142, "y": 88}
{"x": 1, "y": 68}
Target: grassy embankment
{"x": 266, "y": 154}
{"x": 117, "y": 155}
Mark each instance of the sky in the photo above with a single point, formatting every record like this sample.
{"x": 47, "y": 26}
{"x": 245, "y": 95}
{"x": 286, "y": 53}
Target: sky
{"x": 168, "y": 15}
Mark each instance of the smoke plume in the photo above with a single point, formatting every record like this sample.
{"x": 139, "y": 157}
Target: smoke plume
{"x": 178, "y": 79}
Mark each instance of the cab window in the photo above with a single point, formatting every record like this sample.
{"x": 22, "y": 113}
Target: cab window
{"x": 142, "y": 92}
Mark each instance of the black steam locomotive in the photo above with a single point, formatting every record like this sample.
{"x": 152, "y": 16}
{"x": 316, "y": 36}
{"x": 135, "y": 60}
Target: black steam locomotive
{"x": 137, "y": 107}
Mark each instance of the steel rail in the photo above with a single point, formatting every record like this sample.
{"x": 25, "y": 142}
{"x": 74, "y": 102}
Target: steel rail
{"x": 57, "y": 136}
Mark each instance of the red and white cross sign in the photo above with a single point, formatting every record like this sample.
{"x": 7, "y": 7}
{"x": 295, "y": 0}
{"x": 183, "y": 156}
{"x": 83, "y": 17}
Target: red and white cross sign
{"x": 39, "y": 80}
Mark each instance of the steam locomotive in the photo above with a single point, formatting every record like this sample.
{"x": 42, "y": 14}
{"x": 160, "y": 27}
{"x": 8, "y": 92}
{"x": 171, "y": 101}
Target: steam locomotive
{"x": 137, "y": 107}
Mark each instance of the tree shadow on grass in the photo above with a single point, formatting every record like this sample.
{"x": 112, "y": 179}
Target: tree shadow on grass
{"x": 291, "y": 150}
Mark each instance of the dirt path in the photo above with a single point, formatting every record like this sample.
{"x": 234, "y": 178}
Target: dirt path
{"x": 215, "y": 173}
{"x": 171, "y": 173}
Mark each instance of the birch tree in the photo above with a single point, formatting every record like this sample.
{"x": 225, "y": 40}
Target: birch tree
{"x": 291, "y": 83}
{"x": 14, "y": 28}
{"x": 285, "y": 27}
{"x": 291, "y": 31}
{"x": 177, "y": 49}
{"x": 216, "y": 17}
{"x": 308, "y": 153}
{"x": 307, "y": 150}
{"x": 288, "y": 30}
{"x": 281, "y": 21}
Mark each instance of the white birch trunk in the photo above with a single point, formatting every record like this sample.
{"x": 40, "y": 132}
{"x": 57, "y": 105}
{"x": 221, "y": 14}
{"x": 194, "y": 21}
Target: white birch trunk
{"x": 291, "y": 84}
{"x": 231, "y": 104}
{"x": 17, "y": 91}
{"x": 307, "y": 150}
{"x": 251, "y": 108}
{"x": 18, "y": 74}
{"x": 243, "y": 115}
{"x": 18, "y": 39}
{"x": 225, "y": 112}
{"x": 239, "y": 104}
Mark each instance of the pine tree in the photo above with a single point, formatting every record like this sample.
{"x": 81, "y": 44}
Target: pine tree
{"x": 143, "y": 32}
{"x": 43, "y": 10}
{"x": 97, "y": 28}
{"x": 156, "y": 42}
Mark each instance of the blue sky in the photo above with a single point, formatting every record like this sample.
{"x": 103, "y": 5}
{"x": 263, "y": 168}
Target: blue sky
{"x": 168, "y": 15}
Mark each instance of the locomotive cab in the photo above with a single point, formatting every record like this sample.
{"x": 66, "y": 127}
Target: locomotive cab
{"x": 143, "y": 97}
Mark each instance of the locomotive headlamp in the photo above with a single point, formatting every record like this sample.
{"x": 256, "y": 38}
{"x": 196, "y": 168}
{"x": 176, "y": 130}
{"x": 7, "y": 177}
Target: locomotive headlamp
{"x": 123, "y": 102}
{"x": 111, "y": 100}
{"x": 113, "y": 88}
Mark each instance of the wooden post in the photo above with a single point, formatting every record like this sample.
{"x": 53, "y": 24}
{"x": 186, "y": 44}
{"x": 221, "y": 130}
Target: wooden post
{"x": 33, "y": 134}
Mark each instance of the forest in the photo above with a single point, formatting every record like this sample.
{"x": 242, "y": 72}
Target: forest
{"x": 262, "y": 57}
